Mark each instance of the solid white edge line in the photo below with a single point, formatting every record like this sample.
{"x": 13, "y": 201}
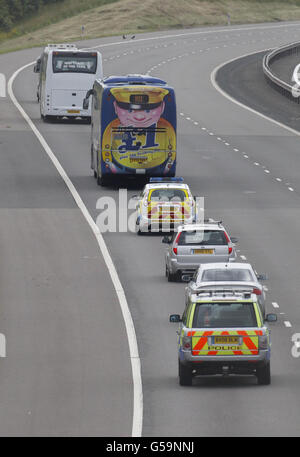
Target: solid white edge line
{"x": 137, "y": 420}
{"x": 233, "y": 100}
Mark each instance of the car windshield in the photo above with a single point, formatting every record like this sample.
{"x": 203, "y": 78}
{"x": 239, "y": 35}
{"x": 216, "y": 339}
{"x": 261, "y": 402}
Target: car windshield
{"x": 206, "y": 237}
{"x": 224, "y": 315}
{"x": 168, "y": 195}
{"x": 232, "y": 274}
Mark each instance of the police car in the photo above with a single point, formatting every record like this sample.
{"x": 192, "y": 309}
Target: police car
{"x": 223, "y": 332}
{"x": 163, "y": 205}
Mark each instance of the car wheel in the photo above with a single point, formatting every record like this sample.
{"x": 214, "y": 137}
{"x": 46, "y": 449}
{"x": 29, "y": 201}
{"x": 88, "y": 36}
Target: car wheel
{"x": 185, "y": 375}
{"x": 264, "y": 374}
{"x": 171, "y": 277}
{"x": 137, "y": 228}
{"x": 138, "y": 231}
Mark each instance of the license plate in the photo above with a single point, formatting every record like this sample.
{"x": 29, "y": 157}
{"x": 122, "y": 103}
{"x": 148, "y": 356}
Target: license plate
{"x": 168, "y": 209}
{"x": 226, "y": 340}
{"x": 73, "y": 111}
{"x": 203, "y": 251}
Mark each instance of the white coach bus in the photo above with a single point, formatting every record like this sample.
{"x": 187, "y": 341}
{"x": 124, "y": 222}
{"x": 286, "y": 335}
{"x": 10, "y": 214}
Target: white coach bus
{"x": 66, "y": 73}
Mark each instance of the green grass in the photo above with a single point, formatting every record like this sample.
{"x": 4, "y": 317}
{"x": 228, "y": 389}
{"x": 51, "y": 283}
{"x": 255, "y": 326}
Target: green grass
{"x": 62, "y": 22}
{"x": 51, "y": 14}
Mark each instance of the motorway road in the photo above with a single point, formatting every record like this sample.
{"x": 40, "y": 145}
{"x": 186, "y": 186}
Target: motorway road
{"x": 67, "y": 370}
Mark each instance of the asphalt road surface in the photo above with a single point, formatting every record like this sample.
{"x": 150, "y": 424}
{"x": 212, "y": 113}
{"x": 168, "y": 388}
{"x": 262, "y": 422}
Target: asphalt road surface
{"x": 67, "y": 370}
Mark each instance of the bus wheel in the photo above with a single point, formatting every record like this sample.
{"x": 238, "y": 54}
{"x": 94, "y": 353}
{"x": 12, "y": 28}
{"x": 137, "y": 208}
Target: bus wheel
{"x": 102, "y": 181}
{"x": 48, "y": 118}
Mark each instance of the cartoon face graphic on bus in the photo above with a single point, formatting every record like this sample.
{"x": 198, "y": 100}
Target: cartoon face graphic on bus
{"x": 139, "y": 136}
{"x": 139, "y": 114}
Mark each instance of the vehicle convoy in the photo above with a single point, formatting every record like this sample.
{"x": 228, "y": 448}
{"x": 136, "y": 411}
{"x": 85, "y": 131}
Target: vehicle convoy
{"x": 66, "y": 73}
{"x": 164, "y": 204}
{"x": 195, "y": 244}
{"x": 133, "y": 127}
{"x": 218, "y": 276}
{"x": 223, "y": 333}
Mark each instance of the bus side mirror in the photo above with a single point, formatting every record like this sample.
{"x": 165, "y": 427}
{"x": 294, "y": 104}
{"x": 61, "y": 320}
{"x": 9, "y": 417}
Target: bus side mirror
{"x": 86, "y": 99}
{"x": 37, "y": 67}
{"x": 85, "y": 104}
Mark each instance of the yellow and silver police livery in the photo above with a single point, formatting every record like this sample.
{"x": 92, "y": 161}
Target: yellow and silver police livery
{"x": 223, "y": 332}
{"x": 164, "y": 204}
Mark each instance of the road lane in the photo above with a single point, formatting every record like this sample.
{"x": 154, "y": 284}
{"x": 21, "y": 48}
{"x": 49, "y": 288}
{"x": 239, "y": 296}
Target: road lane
{"x": 59, "y": 312}
{"x": 266, "y": 223}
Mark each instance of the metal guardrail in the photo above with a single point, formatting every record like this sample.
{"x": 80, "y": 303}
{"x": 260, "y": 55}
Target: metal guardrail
{"x": 288, "y": 90}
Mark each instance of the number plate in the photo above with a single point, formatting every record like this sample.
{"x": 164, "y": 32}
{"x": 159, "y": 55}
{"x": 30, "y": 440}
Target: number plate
{"x": 226, "y": 340}
{"x": 73, "y": 111}
{"x": 203, "y": 251}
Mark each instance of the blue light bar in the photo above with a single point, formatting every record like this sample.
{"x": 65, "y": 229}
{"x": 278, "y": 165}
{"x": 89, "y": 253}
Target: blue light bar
{"x": 167, "y": 179}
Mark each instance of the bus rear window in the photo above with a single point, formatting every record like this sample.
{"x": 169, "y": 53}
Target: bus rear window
{"x": 74, "y": 63}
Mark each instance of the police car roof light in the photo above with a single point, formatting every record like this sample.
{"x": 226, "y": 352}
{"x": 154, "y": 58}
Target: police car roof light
{"x": 167, "y": 179}
{"x": 235, "y": 292}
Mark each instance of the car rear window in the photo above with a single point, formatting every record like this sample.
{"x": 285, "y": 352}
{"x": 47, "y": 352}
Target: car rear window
{"x": 224, "y": 315}
{"x": 200, "y": 237}
{"x": 168, "y": 195}
{"x": 227, "y": 275}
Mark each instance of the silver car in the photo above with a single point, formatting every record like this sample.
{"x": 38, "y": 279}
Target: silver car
{"x": 195, "y": 244}
{"x": 240, "y": 277}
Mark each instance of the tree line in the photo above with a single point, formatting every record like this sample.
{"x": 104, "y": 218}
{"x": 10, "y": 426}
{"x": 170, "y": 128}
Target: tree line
{"x": 12, "y": 11}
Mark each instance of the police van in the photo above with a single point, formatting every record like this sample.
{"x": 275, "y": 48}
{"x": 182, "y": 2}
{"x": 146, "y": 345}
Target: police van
{"x": 66, "y": 73}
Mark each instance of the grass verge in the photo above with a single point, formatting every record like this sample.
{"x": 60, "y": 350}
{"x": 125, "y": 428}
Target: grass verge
{"x": 63, "y": 22}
